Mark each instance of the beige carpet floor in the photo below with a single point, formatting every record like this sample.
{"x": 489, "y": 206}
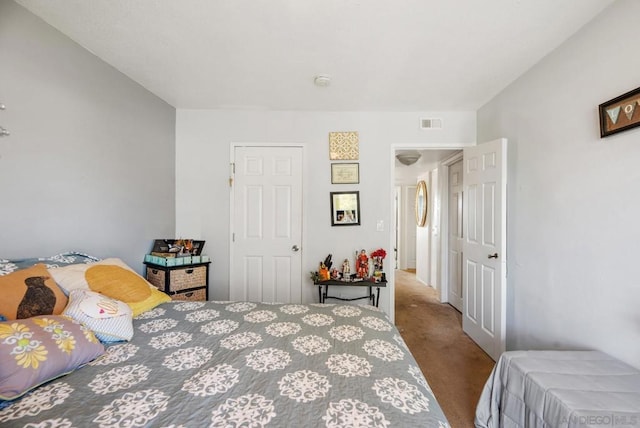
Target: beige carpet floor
{"x": 455, "y": 367}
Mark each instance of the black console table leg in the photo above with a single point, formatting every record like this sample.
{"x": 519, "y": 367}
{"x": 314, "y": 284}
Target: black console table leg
{"x": 374, "y": 298}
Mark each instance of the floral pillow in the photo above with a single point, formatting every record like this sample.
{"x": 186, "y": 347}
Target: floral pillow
{"x": 110, "y": 320}
{"x": 38, "y": 349}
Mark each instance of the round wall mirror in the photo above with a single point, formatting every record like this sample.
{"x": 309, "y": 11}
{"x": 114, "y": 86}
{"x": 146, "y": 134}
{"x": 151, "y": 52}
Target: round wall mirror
{"x": 421, "y": 203}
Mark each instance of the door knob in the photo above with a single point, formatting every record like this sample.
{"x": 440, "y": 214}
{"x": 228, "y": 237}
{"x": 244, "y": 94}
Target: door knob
{"x": 493, "y": 256}
{"x": 295, "y": 248}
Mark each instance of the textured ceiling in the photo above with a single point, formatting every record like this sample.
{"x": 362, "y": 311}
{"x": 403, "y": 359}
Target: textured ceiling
{"x": 382, "y": 55}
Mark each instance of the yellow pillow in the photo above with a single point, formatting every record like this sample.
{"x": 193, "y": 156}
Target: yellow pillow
{"x": 108, "y": 280}
{"x": 112, "y": 278}
{"x": 151, "y": 302}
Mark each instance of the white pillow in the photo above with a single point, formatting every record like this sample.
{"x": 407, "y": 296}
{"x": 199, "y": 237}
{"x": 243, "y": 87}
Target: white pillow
{"x": 110, "y": 320}
{"x": 113, "y": 278}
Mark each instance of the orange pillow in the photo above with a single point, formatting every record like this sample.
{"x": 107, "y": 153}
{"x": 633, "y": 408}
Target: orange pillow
{"x": 30, "y": 292}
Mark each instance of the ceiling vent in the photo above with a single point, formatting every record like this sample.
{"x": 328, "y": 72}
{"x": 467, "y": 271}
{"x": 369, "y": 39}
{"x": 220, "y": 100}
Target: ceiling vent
{"x": 430, "y": 123}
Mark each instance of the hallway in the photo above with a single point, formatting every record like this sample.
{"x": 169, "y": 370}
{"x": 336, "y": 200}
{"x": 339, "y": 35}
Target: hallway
{"x": 455, "y": 367}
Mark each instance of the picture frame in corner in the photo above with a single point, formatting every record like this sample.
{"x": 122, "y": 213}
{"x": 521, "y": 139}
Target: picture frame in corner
{"x": 620, "y": 113}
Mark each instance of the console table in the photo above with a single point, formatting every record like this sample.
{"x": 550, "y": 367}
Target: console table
{"x": 374, "y": 298}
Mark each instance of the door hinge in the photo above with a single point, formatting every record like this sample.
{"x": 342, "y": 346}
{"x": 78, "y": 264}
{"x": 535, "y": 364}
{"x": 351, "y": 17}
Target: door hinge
{"x": 232, "y": 170}
{"x": 233, "y": 237}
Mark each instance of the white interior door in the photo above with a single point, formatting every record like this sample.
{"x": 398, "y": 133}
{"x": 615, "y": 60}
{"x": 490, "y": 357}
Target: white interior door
{"x": 266, "y": 262}
{"x": 397, "y": 253}
{"x": 484, "y": 245}
{"x": 434, "y": 229}
{"x": 454, "y": 270}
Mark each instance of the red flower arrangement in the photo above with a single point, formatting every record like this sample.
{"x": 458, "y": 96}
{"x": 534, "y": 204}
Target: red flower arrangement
{"x": 379, "y": 253}
{"x": 378, "y": 256}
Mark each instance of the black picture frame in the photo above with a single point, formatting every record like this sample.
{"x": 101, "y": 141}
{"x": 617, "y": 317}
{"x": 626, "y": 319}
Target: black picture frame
{"x": 620, "y": 113}
{"x": 345, "y": 208}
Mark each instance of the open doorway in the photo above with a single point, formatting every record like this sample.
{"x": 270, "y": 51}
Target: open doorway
{"x": 420, "y": 250}
{"x": 483, "y": 252}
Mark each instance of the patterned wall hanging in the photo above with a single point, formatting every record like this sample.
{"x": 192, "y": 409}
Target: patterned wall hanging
{"x": 343, "y": 146}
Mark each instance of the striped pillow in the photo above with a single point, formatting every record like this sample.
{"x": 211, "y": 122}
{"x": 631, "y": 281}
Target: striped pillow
{"x": 109, "y": 319}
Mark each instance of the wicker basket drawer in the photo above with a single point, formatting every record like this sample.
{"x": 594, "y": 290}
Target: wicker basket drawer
{"x": 156, "y": 277}
{"x": 199, "y": 294}
{"x": 182, "y": 279}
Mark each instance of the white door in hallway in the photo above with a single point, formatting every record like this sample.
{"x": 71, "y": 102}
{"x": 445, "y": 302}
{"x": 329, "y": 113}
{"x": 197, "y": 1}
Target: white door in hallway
{"x": 484, "y": 245}
{"x": 455, "y": 235}
{"x": 434, "y": 228}
{"x": 266, "y": 220}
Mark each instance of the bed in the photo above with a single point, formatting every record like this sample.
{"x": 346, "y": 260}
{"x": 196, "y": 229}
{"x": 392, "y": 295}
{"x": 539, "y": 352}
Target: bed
{"x": 195, "y": 364}
{"x": 575, "y": 389}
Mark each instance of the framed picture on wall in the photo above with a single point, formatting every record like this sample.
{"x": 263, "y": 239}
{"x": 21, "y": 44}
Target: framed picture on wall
{"x": 620, "y": 113}
{"x": 343, "y": 145}
{"x": 345, "y": 173}
{"x": 345, "y": 208}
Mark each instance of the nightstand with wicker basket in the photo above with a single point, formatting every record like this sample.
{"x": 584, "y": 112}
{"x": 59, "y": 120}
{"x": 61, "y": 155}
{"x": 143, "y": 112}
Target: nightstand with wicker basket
{"x": 185, "y": 282}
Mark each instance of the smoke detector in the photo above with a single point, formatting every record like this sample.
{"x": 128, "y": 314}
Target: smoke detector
{"x": 322, "y": 80}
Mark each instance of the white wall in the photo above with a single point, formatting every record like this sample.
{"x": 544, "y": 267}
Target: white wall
{"x": 408, "y": 229}
{"x": 405, "y": 176}
{"x": 428, "y": 245}
{"x": 573, "y": 205}
{"x": 89, "y": 165}
{"x": 422, "y": 237}
{"x": 202, "y": 172}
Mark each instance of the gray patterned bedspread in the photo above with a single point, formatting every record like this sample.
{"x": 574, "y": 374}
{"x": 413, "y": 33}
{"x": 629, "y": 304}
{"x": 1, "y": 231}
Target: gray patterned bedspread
{"x": 232, "y": 364}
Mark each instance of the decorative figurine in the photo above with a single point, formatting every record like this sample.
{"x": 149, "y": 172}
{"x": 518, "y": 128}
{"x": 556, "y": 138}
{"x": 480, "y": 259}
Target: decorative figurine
{"x": 362, "y": 265}
{"x": 346, "y": 269}
{"x": 323, "y": 272}
{"x": 327, "y": 262}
